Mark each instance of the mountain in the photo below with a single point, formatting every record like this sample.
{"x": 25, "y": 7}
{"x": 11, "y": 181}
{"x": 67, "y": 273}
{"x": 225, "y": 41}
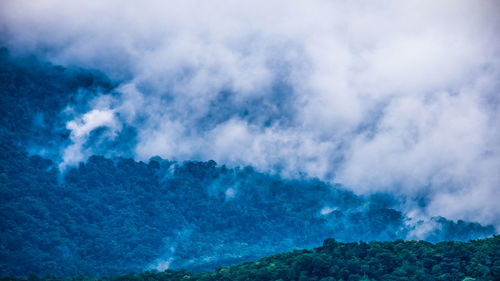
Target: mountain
{"x": 112, "y": 214}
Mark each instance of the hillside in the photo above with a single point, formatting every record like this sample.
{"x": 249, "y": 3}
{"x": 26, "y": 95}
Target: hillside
{"x": 397, "y": 260}
{"x": 111, "y": 215}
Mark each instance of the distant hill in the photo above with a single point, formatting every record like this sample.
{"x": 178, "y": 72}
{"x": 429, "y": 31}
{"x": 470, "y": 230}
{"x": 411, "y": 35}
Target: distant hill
{"x": 115, "y": 215}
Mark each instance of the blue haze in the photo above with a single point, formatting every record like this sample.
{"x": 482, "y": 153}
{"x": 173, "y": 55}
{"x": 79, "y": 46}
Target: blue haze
{"x": 111, "y": 214}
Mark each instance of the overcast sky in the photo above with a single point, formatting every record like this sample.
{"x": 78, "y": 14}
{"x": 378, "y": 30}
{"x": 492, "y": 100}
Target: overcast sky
{"x": 393, "y": 96}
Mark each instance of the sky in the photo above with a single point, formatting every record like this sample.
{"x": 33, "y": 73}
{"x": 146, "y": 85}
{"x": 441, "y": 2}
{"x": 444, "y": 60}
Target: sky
{"x": 380, "y": 96}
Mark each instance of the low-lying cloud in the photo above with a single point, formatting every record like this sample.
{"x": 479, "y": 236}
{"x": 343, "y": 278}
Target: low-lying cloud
{"x": 380, "y": 96}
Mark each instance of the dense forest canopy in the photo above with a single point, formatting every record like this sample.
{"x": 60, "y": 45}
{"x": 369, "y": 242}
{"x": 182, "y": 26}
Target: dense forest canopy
{"x": 334, "y": 261}
{"x": 111, "y": 215}
{"x": 258, "y": 140}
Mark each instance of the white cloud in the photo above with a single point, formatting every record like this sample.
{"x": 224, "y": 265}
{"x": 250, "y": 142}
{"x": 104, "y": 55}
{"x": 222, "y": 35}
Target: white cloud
{"x": 385, "y": 96}
{"x": 326, "y": 210}
{"x": 80, "y": 132}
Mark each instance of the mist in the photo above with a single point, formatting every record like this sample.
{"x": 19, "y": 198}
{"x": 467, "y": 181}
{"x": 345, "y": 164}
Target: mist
{"x": 381, "y": 97}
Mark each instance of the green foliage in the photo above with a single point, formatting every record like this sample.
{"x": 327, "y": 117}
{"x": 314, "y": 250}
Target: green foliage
{"x": 450, "y": 261}
{"x": 111, "y": 216}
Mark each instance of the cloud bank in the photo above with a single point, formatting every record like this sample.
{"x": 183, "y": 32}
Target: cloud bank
{"x": 389, "y": 96}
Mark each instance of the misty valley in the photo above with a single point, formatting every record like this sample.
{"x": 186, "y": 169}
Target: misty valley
{"x": 167, "y": 220}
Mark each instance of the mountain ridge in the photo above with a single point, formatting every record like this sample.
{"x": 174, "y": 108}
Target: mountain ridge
{"x": 111, "y": 214}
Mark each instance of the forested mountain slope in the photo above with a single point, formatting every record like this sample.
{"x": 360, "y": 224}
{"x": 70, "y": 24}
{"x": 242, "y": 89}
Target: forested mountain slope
{"x": 397, "y": 260}
{"x": 114, "y": 215}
